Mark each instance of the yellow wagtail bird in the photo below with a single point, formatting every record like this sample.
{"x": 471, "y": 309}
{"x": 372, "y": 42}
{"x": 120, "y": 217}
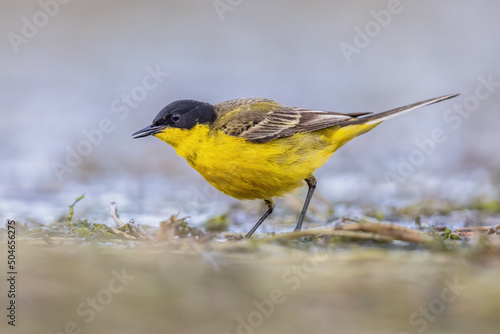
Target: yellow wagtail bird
{"x": 256, "y": 148}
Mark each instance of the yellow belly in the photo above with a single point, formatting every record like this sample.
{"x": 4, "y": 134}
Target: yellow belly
{"x": 246, "y": 170}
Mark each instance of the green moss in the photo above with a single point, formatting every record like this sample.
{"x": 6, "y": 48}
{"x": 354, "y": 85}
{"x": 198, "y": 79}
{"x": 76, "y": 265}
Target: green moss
{"x": 217, "y": 224}
{"x": 71, "y": 208}
{"x": 446, "y": 233}
{"x": 83, "y": 232}
{"x": 492, "y": 206}
{"x": 418, "y": 221}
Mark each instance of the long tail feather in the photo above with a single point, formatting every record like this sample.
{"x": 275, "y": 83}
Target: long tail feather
{"x": 377, "y": 118}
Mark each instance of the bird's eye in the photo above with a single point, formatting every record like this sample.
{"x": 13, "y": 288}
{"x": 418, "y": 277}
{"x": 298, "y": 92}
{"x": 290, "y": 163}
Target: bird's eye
{"x": 175, "y": 117}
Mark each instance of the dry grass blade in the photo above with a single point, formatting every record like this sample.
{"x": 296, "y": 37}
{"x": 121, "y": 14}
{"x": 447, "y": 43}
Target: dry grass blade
{"x": 494, "y": 229}
{"x": 325, "y": 232}
{"x": 473, "y": 228}
{"x": 120, "y": 233}
{"x": 136, "y": 231}
{"x": 175, "y": 227}
{"x": 387, "y": 229}
{"x": 113, "y": 208}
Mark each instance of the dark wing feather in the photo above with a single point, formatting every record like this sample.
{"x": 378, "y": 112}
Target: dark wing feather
{"x": 261, "y": 120}
{"x": 313, "y": 120}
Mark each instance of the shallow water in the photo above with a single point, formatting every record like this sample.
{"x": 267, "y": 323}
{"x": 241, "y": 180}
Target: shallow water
{"x": 75, "y": 71}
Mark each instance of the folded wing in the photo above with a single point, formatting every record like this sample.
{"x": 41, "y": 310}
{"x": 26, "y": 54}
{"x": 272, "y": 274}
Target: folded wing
{"x": 261, "y": 120}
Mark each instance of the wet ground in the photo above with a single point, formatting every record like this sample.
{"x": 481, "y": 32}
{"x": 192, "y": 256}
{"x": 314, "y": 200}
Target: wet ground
{"x": 349, "y": 277}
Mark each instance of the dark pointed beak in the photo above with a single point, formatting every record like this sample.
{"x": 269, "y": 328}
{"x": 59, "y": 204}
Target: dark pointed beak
{"x": 147, "y": 131}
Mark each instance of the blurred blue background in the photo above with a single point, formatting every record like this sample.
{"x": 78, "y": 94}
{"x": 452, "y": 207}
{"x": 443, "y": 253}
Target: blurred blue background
{"x": 67, "y": 68}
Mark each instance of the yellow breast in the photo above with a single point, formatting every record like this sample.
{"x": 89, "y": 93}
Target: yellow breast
{"x": 246, "y": 170}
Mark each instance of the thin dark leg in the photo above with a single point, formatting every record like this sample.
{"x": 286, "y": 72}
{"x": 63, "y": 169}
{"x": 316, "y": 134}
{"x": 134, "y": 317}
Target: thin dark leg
{"x": 270, "y": 208}
{"x": 311, "y": 182}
